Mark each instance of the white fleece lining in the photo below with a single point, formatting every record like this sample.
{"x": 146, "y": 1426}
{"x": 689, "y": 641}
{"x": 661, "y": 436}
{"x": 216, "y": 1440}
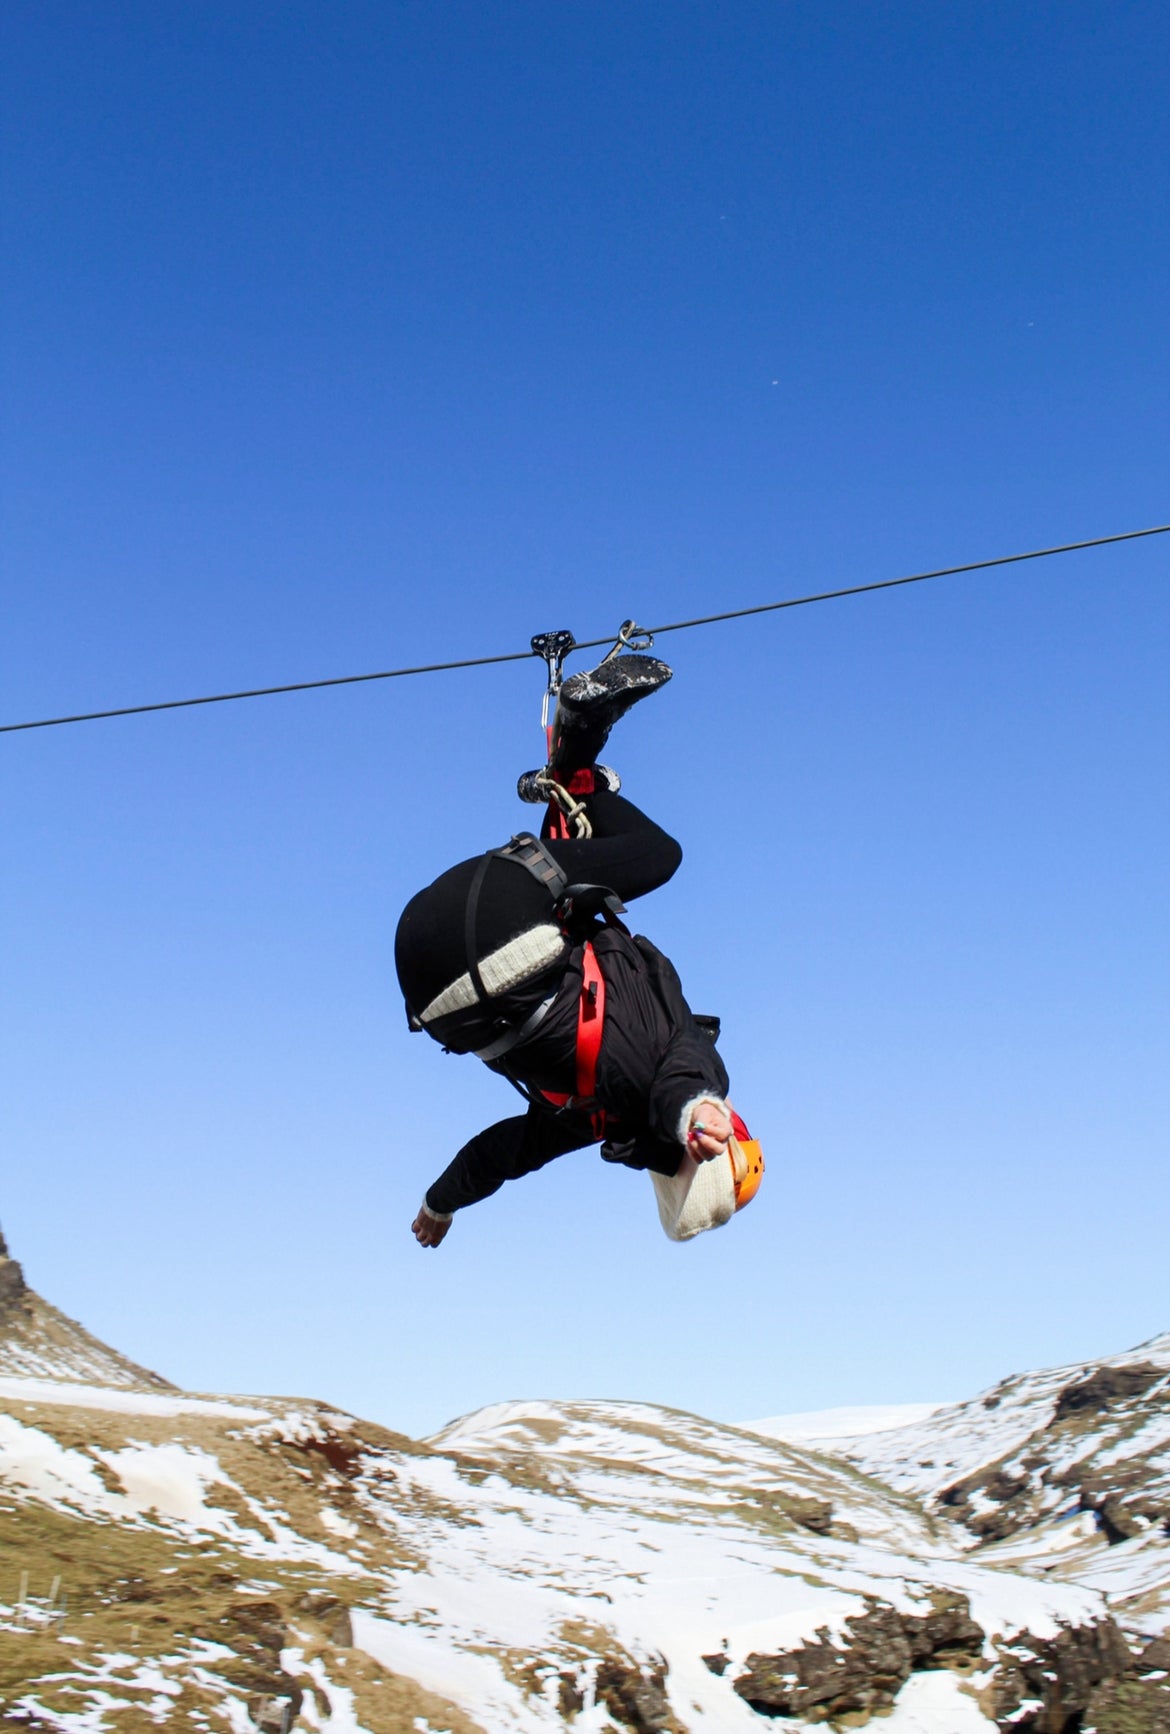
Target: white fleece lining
{"x": 511, "y": 964}
{"x": 692, "y": 1107}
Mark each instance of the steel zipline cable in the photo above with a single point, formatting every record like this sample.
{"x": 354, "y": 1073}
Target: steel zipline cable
{"x": 587, "y": 643}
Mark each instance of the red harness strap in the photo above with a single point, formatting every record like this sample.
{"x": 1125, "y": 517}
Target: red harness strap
{"x": 590, "y": 1020}
{"x": 591, "y": 1007}
{"x": 590, "y": 1024}
{"x": 558, "y": 825}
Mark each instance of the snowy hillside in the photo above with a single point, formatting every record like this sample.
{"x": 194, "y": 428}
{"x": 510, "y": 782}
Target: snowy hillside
{"x": 1066, "y": 1472}
{"x": 532, "y": 1563}
{"x": 261, "y": 1563}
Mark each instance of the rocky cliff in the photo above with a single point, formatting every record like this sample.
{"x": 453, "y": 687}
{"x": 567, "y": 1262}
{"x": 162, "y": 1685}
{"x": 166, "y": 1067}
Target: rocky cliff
{"x": 38, "y": 1341}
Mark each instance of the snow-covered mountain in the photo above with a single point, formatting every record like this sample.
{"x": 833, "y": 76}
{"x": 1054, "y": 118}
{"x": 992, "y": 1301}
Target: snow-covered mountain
{"x": 1065, "y": 1472}
{"x": 263, "y": 1563}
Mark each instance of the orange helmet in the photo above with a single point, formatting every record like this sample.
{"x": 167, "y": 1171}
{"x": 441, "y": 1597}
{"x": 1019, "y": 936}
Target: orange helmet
{"x": 747, "y": 1162}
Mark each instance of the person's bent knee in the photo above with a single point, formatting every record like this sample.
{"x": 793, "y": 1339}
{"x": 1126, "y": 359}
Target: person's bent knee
{"x": 671, "y": 854}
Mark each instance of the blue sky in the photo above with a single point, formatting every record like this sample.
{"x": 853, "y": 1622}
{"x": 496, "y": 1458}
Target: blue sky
{"x": 342, "y": 337}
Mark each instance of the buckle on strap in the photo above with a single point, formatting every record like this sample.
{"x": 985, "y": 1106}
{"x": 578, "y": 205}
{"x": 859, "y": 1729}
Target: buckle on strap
{"x": 510, "y": 1038}
{"x": 577, "y": 901}
{"x": 569, "y": 901}
{"x": 530, "y": 853}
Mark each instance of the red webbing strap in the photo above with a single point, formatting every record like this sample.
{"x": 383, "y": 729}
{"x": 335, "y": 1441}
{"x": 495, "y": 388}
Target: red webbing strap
{"x": 590, "y": 1025}
{"x": 590, "y": 1019}
{"x": 558, "y": 830}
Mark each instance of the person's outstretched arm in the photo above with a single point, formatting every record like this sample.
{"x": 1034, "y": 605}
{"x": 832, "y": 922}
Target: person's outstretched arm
{"x": 506, "y": 1151}
{"x": 658, "y": 1069}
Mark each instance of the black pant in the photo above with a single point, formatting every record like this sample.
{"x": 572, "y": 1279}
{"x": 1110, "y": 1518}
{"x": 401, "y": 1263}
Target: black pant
{"x": 628, "y": 852}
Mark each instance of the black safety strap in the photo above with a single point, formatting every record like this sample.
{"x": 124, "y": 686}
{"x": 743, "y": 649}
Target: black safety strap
{"x": 569, "y": 903}
{"x": 470, "y": 922}
{"x": 530, "y": 853}
{"x": 509, "y": 1038}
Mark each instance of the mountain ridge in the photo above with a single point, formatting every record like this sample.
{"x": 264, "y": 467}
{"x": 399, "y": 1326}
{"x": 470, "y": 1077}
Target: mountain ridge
{"x": 274, "y": 1564}
{"x": 37, "y": 1339}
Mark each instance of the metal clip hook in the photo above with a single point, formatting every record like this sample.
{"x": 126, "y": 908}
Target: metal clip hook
{"x": 630, "y": 636}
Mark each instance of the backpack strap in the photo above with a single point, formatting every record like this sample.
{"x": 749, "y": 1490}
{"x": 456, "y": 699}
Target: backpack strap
{"x": 528, "y": 852}
{"x": 571, "y": 906}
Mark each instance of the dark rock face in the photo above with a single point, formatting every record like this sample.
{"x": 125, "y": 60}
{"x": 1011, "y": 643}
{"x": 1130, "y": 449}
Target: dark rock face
{"x": 1105, "y": 1386}
{"x": 1039, "y": 1686}
{"x": 1155, "y": 1658}
{"x": 1044, "y": 1685}
{"x": 570, "y": 1697}
{"x": 944, "y": 1636}
{"x": 1138, "y": 1705}
{"x": 1015, "y": 1507}
{"x": 1126, "y": 1492}
{"x": 635, "y": 1697}
{"x": 821, "y": 1679}
{"x": 12, "y": 1283}
{"x": 1124, "y": 1499}
{"x": 274, "y": 1697}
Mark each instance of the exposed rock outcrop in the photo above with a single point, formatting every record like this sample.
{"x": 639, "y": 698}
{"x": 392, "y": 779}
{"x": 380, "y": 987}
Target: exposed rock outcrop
{"x": 1044, "y": 1685}
{"x": 1104, "y": 1387}
{"x": 38, "y": 1342}
{"x": 822, "y": 1679}
{"x": 12, "y": 1284}
{"x": 1138, "y": 1704}
{"x": 258, "y": 1637}
{"x": 1037, "y": 1686}
{"x": 1028, "y": 1462}
{"x": 636, "y": 1697}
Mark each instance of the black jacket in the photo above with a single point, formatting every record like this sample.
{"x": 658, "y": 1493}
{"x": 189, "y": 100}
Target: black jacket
{"x": 654, "y": 1059}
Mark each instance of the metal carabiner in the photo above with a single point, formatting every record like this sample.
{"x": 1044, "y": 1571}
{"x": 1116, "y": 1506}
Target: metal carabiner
{"x": 630, "y": 636}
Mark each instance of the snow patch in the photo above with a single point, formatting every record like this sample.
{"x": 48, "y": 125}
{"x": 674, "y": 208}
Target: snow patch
{"x": 122, "y": 1402}
{"x": 844, "y": 1423}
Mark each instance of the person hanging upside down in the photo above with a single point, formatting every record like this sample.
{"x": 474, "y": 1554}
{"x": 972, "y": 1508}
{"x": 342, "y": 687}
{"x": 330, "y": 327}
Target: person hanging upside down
{"x": 516, "y": 956}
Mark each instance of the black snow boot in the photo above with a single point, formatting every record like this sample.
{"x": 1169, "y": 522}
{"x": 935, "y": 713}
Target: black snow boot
{"x": 591, "y": 702}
